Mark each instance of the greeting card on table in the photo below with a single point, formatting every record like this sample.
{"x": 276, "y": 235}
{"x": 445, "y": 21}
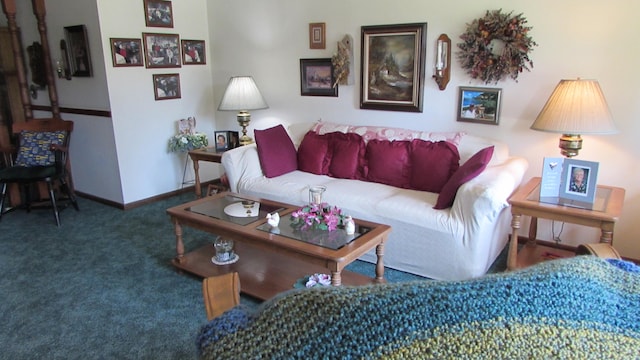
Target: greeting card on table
{"x": 551, "y": 177}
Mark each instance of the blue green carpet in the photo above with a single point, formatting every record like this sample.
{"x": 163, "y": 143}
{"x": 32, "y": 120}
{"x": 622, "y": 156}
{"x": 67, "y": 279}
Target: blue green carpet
{"x": 102, "y": 286}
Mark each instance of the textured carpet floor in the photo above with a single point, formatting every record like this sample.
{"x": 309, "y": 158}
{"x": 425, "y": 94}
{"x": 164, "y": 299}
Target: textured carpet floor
{"x": 102, "y": 287}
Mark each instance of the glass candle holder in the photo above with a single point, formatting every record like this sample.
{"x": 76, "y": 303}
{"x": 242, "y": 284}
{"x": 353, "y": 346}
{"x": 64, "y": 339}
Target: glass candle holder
{"x": 315, "y": 194}
{"x": 224, "y": 249}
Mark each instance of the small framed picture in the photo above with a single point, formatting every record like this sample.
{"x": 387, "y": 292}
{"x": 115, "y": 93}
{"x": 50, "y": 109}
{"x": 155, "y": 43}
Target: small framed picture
{"x": 317, "y": 78}
{"x": 234, "y": 139}
{"x": 479, "y": 105}
{"x": 158, "y": 13}
{"x": 76, "y": 38}
{"x": 126, "y": 52}
{"x": 166, "y": 86}
{"x": 161, "y": 50}
{"x": 579, "y": 182}
{"x": 193, "y": 52}
{"x": 222, "y": 140}
{"x": 317, "y": 36}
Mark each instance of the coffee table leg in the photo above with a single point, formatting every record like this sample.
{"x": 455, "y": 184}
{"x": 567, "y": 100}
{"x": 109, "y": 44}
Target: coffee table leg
{"x": 336, "y": 278}
{"x": 179, "y": 243}
{"x": 380, "y": 263}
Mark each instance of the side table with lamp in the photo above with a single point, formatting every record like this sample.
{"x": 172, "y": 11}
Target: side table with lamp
{"x": 575, "y": 107}
{"x": 242, "y": 95}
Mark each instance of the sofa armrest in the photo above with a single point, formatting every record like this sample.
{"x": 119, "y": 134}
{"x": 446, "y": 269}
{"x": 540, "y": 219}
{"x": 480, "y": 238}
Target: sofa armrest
{"x": 487, "y": 194}
{"x": 241, "y": 163}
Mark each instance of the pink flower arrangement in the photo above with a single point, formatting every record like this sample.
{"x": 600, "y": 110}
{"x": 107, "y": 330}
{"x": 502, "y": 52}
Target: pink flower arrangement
{"x": 318, "y": 280}
{"x": 318, "y": 216}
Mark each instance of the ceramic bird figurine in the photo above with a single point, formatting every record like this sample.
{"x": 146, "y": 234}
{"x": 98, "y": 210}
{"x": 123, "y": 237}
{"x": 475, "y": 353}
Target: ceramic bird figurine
{"x": 273, "y": 219}
{"x": 349, "y": 225}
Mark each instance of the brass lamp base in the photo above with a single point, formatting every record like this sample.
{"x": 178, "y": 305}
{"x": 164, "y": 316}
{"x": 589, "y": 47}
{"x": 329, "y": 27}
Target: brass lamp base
{"x": 244, "y": 118}
{"x": 570, "y": 145}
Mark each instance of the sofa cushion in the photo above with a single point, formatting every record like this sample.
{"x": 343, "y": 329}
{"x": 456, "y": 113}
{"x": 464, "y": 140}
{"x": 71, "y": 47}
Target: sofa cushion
{"x": 313, "y": 154}
{"x": 347, "y": 155}
{"x": 276, "y": 151}
{"x": 35, "y": 147}
{"x": 432, "y": 164}
{"x": 470, "y": 169}
{"x": 388, "y": 162}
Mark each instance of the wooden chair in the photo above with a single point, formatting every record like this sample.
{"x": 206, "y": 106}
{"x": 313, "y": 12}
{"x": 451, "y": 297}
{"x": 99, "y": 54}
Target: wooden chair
{"x": 221, "y": 293}
{"x": 42, "y": 156}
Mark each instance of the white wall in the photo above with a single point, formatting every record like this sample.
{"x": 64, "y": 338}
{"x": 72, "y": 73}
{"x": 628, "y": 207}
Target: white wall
{"x": 577, "y": 38}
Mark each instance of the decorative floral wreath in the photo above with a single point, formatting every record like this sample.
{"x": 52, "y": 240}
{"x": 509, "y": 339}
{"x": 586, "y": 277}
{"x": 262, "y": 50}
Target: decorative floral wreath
{"x": 495, "y": 46}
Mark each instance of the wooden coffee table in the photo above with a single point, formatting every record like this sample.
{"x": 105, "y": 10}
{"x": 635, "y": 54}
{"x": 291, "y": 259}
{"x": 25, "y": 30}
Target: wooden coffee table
{"x": 270, "y": 263}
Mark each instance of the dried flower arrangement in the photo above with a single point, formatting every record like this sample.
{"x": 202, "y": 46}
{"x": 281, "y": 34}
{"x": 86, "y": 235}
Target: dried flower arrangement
{"x": 495, "y": 46}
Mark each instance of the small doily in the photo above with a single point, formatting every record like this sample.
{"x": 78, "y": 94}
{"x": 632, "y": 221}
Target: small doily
{"x": 230, "y": 261}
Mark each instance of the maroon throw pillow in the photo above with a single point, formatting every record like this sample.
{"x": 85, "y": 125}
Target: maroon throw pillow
{"x": 276, "y": 151}
{"x": 432, "y": 164}
{"x": 470, "y": 169}
{"x": 313, "y": 154}
{"x": 388, "y": 162}
{"x": 347, "y": 155}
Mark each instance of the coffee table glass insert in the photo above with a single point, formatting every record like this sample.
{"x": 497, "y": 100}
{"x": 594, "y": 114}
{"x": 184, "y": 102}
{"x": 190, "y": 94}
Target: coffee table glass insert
{"x": 234, "y": 209}
{"x": 329, "y": 239}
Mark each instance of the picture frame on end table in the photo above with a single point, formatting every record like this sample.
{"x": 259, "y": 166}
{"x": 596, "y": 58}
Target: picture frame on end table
{"x": 393, "y": 67}
{"x": 166, "y": 86}
{"x": 479, "y": 105}
{"x": 158, "y": 13}
{"x": 126, "y": 52}
{"x": 162, "y": 50}
{"x": 193, "y": 52}
{"x": 317, "y": 78}
{"x": 226, "y": 140}
{"x": 579, "y": 183}
{"x": 80, "y": 59}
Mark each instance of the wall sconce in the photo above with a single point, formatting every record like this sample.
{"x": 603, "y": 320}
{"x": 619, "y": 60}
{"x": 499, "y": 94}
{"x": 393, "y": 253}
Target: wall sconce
{"x": 62, "y": 64}
{"x": 443, "y": 61}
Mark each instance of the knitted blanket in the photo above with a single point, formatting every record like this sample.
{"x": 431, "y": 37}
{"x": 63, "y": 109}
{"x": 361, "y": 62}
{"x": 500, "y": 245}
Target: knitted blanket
{"x": 581, "y": 308}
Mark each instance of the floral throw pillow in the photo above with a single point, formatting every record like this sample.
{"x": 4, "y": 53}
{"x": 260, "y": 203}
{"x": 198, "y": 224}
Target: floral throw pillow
{"x": 35, "y": 147}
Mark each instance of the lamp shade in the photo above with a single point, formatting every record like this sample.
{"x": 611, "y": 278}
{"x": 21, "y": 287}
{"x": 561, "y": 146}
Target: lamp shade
{"x": 242, "y": 94}
{"x": 576, "y": 107}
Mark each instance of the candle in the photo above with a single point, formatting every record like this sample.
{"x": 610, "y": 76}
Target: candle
{"x": 439, "y": 63}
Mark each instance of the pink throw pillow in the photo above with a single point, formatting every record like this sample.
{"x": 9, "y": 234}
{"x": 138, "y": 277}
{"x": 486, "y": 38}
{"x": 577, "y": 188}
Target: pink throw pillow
{"x": 276, "y": 151}
{"x": 469, "y": 170}
{"x": 388, "y": 162}
{"x": 432, "y": 164}
{"x": 347, "y": 155}
{"x": 313, "y": 154}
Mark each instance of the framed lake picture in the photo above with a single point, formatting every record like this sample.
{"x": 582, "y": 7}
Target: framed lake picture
{"x": 393, "y": 60}
{"x": 479, "y": 105}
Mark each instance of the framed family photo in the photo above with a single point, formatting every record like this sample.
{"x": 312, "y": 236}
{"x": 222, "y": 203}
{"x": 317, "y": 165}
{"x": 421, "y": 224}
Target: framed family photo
{"x": 159, "y": 13}
{"x": 578, "y": 183}
{"x": 161, "y": 50}
{"x": 126, "y": 52}
{"x": 166, "y": 86}
{"x": 317, "y": 78}
{"x": 479, "y": 105}
{"x": 78, "y": 50}
{"x": 393, "y": 61}
{"x": 193, "y": 52}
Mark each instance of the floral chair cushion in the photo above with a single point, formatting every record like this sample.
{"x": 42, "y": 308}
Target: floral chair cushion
{"x": 35, "y": 147}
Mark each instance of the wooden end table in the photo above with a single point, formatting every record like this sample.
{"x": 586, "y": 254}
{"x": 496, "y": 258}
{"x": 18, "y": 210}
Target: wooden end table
{"x": 206, "y": 154}
{"x": 526, "y": 201}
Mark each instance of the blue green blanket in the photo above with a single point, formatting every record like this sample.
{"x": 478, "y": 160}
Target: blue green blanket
{"x": 583, "y": 307}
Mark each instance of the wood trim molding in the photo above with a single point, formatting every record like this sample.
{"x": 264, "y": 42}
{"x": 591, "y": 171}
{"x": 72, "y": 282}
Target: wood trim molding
{"x": 66, "y": 110}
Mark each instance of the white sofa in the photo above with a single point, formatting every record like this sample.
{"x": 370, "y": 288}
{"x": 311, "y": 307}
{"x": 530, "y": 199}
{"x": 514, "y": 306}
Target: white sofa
{"x": 457, "y": 243}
